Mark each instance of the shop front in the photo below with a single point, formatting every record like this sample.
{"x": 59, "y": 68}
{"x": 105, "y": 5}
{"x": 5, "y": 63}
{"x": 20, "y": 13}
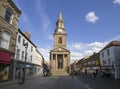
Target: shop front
{"x": 5, "y": 61}
{"x": 31, "y": 69}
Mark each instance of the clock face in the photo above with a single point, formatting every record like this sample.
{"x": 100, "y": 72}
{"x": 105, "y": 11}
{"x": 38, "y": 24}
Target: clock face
{"x": 60, "y": 30}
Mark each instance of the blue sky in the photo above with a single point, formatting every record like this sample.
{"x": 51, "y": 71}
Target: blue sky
{"x": 90, "y": 24}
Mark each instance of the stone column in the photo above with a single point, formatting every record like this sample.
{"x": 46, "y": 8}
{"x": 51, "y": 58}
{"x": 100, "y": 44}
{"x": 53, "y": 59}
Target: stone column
{"x": 64, "y": 61}
{"x": 68, "y": 59}
{"x": 56, "y": 62}
{"x": 51, "y": 61}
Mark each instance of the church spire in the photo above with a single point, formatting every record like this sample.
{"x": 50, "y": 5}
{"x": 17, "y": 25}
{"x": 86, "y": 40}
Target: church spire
{"x": 60, "y": 16}
{"x": 60, "y": 22}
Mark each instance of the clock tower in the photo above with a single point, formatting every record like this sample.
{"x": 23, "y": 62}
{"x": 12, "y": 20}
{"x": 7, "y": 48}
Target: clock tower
{"x": 60, "y": 33}
{"x": 60, "y": 56}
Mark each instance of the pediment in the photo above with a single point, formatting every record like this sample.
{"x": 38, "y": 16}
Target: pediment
{"x": 60, "y": 49}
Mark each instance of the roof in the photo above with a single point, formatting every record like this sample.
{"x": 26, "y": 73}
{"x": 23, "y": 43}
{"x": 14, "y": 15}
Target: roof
{"x": 113, "y": 43}
{"x": 14, "y": 6}
{"x": 27, "y": 38}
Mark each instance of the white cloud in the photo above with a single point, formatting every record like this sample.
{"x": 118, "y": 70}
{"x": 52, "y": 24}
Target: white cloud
{"x": 116, "y": 1}
{"x": 91, "y": 17}
{"x": 77, "y": 46}
{"x": 80, "y": 50}
{"x": 45, "y": 53}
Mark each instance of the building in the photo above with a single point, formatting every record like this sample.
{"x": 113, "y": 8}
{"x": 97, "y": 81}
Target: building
{"x": 110, "y": 59}
{"x": 91, "y": 65}
{"x": 26, "y": 56}
{"x": 73, "y": 66}
{"x": 79, "y": 65}
{"x": 9, "y": 14}
{"x": 60, "y": 56}
{"x": 39, "y": 60}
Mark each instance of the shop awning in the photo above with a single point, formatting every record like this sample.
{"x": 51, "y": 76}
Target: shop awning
{"x": 5, "y": 57}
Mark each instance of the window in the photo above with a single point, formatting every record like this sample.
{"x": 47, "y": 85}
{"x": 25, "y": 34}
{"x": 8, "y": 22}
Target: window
{"x": 60, "y": 40}
{"x": 18, "y": 54}
{"x": 19, "y": 38}
{"x": 23, "y": 41}
{"x": 5, "y": 40}
{"x": 31, "y": 48}
{"x": 31, "y": 59}
{"x": 109, "y": 61}
{"x": 8, "y": 16}
{"x": 108, "y": 52}
{"x": 22, "y": 57}
{"x": 102, "y": 54}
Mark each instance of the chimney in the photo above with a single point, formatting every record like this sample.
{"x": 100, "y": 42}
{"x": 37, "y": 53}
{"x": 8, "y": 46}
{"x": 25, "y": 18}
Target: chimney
{"x": 27, "y": 34}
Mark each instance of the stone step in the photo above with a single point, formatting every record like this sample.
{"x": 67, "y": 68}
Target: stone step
{"x": 59, "y": 72}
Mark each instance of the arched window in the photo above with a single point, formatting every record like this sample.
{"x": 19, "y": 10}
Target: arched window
{"x": 60, "y": 40}
{"x": 5, "y": 40}
{"x": 9, "y": 16}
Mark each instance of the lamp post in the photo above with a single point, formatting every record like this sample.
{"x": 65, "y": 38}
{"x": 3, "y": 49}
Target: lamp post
{"x": 24, "y": 69}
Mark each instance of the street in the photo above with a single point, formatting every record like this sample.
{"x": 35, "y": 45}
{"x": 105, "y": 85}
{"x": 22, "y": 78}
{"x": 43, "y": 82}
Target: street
{"x": 66, "y": 82}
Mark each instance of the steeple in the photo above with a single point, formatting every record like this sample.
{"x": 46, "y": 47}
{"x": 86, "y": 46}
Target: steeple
{"x": 60, "y": 22}
{"x": 60, "y": 16}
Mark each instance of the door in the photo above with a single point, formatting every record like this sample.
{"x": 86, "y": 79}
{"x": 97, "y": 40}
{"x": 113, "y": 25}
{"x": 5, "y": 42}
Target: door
{"x": 60, "y": 61}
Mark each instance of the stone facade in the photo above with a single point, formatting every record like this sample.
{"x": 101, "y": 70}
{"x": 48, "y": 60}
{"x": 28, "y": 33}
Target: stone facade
{"x": 9, "y": 15}
{"x": 60, "y": 56}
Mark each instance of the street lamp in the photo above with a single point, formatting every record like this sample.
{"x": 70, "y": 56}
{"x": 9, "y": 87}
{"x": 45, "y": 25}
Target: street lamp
{"x": 24, "y": 69}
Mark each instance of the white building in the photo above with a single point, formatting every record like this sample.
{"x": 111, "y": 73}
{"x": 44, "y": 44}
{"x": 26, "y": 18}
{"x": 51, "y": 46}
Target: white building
{"x": 110, "y": 59}
{"x": 33, "y": 59}
{"x": 38, "y": 61}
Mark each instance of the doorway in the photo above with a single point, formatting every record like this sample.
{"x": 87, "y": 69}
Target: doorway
{"x": 60, "y": 61}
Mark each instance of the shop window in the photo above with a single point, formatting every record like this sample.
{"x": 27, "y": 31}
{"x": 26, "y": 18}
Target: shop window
{"x": 5, "y": 40}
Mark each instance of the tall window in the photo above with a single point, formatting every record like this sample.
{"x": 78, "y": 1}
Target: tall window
{"x": 108, "y": 52}
{"x": 18, "y": 54}
{"x": 31, "y": 48}
{"x": 60, "y": 40}
{"x": 102, "y": 54}
{"x": 19, "y": 38}
{"x": 31, "y": 58}
{"x": 5, "y": 40}
{"x": 23, "y": 41}
{"x": 22, "y": 56}
{"x": 109, "y": 61}
{"x": 8, "y": 16}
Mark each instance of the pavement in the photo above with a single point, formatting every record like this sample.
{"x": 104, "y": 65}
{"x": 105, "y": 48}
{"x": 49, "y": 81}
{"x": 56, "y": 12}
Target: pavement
{"x": 63, "y": 82}
{"x": 13, "y": 82}
{"x": 99, "y": 83}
